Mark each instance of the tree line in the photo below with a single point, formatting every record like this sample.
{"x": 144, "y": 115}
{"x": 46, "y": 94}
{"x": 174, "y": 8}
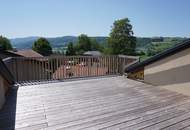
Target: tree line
{"x": 121, "y": 40}
{"x": 41, "y": 46}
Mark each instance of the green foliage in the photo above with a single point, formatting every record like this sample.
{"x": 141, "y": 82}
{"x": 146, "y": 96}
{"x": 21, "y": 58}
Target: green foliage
{"x": 143, "y": 43}
{"x": 59, "y": 50}
{"x": 140, "y": 53}
{"x": 107, "y": 51}
{"x": 5, "y": 43}
{"x": 70, "y": 50}
{"x": 87, "y": 44}
{"x": 147, "y": 47}
{"x": 159, "y": 47}
{"x": 121, "y": 40}
{"x": 95, "y": 46}
{"x": 57, "y": 42}
{"x": 42, "y": 46}
{"x": 157, "y": 39}
{"x": 84, "y": 43}
{"x": 144, "y": 57}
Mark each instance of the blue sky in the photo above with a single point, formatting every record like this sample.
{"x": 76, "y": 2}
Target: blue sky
{"x": 50, "y": 18}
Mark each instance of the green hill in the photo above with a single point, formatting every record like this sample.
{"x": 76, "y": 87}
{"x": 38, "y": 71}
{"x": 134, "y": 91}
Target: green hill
{"x": 145, "y": 46}
{"x": 151, "y": 47}
{"x": 26, "y": 43}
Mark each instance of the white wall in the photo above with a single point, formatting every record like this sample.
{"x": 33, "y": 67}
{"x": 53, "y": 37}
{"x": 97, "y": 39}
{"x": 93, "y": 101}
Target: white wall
{"x": 174, "y": 69}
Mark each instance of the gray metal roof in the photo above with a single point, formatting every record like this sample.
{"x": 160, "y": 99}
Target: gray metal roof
{"x": 93, "y": 53}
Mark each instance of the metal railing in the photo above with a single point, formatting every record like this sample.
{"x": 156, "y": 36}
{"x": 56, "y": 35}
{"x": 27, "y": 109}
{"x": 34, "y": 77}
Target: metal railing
{"x": 63, "y": 67}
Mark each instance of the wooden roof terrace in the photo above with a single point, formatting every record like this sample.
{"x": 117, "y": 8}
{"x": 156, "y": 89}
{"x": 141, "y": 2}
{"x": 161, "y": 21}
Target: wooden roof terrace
{"x": 103, "y": 103}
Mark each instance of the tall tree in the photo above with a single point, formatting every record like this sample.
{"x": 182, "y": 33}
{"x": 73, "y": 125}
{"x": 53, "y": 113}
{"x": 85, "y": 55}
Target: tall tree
{"x": 5, "y": 43}
{"x": 84, "y": 43}
{"x": 70, "y": 49}
{"x": 121, "y": 40}
{"x": 42, "y": 46}
{"x": 95, "y": 46}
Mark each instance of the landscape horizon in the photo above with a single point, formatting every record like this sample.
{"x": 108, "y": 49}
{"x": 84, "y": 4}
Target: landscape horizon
{"x": 26, "y": 42}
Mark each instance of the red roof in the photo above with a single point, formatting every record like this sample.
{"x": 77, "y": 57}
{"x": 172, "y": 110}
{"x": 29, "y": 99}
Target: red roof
{"x": 27, "y": 53}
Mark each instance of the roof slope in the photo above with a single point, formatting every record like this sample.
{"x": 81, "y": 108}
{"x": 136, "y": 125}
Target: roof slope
{"x": 4, "y": 54}
{"x": 27, "y": 53}
{"x": 184, "y": 45}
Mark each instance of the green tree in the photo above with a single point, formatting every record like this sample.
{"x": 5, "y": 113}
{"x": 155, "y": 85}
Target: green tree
{"x": 121, "y": 40}
{"x": 95, "y": 46}
{"x": 87, "y": 44}
{"x": 5, "y": 43}
{"x": 84, "y": 44}
{"x": 70, "y": 49}
{"x": 42, "y": 46}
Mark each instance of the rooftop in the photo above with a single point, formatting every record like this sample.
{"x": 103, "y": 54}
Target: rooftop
{"x": 99, "y": 103}
{"x": 27, "y": 53}
{"x": 92, "y": 53}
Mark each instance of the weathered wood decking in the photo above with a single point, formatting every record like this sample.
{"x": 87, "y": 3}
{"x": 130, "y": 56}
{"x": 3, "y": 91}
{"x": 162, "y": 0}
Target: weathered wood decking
{"x": 105, "y": 103}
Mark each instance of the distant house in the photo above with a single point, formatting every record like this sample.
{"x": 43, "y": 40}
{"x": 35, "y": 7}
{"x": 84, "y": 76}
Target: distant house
{"x": 26, "y": 53}
{"x": 171, "y": 67}
{"x": 92, "y": 53}
{"x": 19, "y": 53}
{"x": 22, "y": 71}
{"x": 6, "y": 54}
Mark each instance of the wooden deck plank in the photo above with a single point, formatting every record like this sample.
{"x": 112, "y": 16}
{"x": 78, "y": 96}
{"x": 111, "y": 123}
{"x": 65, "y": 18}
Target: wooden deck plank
{"x": 186, "y": 128}
{"x": 180, "y": 125}
{"x": 150, "y": 115}
{"x": 105, "y": 103}
{"x": 169, "y": 122}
